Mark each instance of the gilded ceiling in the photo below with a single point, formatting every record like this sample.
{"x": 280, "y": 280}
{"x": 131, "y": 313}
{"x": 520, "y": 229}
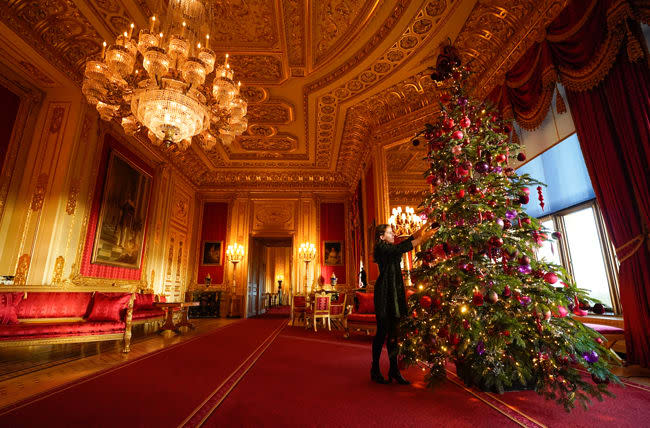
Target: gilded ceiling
{"x": 325, "y": 79}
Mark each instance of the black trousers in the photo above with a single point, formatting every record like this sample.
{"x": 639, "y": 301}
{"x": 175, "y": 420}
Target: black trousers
{"x": 387, "y": 329}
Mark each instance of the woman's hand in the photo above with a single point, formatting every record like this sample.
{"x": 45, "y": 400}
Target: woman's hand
{"x": 422, "y": 235}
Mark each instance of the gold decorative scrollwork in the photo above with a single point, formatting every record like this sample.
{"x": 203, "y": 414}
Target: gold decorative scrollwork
{"x": 22, "y": 269}
{"x": 39, "y": 192}
{"x": 58, "y": 270}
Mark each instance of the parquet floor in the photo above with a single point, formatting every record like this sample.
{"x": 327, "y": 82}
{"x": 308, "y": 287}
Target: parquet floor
{"x": 30, "y": 370}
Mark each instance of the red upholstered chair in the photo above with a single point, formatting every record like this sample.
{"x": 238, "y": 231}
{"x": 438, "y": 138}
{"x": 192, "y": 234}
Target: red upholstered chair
{"x": 298, "y": 308}
{"x": 320, "y": 309}
{"x": 362, "y": 315}
{"x": 337, "y": 310}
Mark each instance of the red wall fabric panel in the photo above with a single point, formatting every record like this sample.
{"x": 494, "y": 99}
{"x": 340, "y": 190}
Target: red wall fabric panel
{"x": 371, "y": 220}
{"x": 8, "y": 111}
{"x": 332, "y": 228}
{"x": 214, "y": 228}
{"x": 105, "y": 271}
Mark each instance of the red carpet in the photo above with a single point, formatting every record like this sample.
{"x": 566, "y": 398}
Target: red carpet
{"x": 160, "y": 389}
{"x": 258, "y": 372}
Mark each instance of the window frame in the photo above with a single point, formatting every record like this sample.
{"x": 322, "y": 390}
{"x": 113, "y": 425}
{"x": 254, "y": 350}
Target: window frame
{"x": 606, "y": 247}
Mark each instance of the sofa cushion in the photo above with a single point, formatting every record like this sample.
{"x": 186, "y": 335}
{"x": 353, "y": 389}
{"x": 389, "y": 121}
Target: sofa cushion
{"x": 604, "y": 329}
{"x": 8, "y": 304}
{"x": 109, "y": 306}
{"x": 362, "y": 318}
{"x": 366, "y": 303}
{"x": 47, "y": 304}
{"x": 58, "y": 329}
{"x": 144, "y": 301}
{"x": 142, "y": 314}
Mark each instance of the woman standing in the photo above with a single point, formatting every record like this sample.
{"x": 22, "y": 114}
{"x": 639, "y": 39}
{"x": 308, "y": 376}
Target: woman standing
{"x": 390, "y": 297}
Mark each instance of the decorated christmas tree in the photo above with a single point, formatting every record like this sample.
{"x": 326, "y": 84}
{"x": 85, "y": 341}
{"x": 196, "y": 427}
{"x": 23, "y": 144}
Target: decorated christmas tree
{"x": 484, "y": 301}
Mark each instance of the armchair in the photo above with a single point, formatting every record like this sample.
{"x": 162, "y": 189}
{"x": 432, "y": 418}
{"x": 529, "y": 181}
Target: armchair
{"x": 337, "y": 310}
{"x": 298, "y": 308}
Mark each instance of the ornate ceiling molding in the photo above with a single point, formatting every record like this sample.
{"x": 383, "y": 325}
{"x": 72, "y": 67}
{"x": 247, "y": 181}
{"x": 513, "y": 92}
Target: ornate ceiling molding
{"x": 256, "y": 68}
{"x": 294, "y": 29}
{"x": 245, "y": 25}
{"x": 271, "y": 112}
{"x": 421, "y": 28}
{"x": 334, "y": 22}
{"x": 56, "y": 29}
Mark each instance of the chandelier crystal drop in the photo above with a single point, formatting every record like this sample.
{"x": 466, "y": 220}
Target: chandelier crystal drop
{"x": 168, "y": 81}
{"x": 404, "y": 223}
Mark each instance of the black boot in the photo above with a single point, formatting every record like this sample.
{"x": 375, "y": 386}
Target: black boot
{"x": 393, "y": 373}
{"x": 375, "y": 375}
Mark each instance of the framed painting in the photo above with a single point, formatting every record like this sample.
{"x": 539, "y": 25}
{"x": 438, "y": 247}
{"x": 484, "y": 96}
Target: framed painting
{"x": 333, "y": 253}
{"x": 119, "y": 237}
{"x": 212, "y": 251}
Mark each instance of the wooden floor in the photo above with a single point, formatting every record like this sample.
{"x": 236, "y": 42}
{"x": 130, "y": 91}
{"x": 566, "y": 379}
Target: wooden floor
{"x": 30, "y": 370}
{"x": 27, "y": 371}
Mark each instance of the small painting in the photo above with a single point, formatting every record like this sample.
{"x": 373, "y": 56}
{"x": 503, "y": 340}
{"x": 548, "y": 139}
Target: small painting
{"x": 212, "y": 253}
{"x": 119, "y": 236}
{"x": 333, "y": 253}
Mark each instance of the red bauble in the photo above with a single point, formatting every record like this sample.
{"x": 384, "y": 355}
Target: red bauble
{"x": 461, "y": 171}
{"x": 506, "y": 333}
{"x": 506, "y": 292}
{"x": 526, "y": 190}
{"x": 461, "y": 194}
{"x": 458, "y": 135}
{"x": 438, "y": 133}
{"x": 455, "y": 339}
{"x": 443, "y": 332}
{"x": 598, "y": 380}
{"x": 448, "y": 123}
{"x": 465, "y": 122}
{"x": 521, "y": 157}
{"x": 500, "y": 158}
{"x": 465, "y": 324}
{"x": 425, "y": 302}
{"x": 445, "y": 97}
{"x": 526, "y": 220}
{"x": 495, "y": 241}
{"x": 431, "y": 179}
{"x": 599, "y": 340}
{"x": 550, "y": 277}
{"x": 524, "y": 260}
{"x": 477, "y": 300}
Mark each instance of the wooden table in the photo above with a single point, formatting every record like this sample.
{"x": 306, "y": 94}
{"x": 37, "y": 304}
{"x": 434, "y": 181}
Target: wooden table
{"x": 169, "y": 319}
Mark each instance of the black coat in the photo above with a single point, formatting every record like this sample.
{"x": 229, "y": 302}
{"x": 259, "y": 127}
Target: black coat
{"x": 390, "y": 297}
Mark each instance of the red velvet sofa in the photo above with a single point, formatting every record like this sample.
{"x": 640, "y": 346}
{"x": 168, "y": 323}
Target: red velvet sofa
{"x": 144, "y": 310}
{"x": 362, "y": 314}
{"x": 44, "y": 318}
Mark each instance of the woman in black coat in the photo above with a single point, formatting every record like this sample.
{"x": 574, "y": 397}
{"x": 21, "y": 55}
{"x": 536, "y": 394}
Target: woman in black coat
{"x": 390, "y": 297}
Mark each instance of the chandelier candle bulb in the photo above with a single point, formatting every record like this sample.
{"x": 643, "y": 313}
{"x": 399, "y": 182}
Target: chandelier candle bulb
{"x": 104, "y": 49}
{"x": 152, "y": 24}
{"x": 131, "y": 30}
{"x": 207, "y": 41}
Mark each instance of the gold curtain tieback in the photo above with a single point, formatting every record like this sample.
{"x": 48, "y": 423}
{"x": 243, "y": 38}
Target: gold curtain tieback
{"x": 635, "y": 242}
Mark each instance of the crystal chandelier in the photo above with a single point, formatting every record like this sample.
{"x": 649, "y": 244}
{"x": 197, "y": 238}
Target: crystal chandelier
{"x": 167, "y": 82}
{"x": 404, "y": 223}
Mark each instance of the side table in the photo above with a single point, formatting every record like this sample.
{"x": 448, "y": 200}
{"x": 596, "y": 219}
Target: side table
{"x": 169, "y": 319}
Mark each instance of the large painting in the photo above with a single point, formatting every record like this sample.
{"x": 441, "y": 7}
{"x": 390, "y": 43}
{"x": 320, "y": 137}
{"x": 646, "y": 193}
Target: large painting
{"x": 212, "y": 253}
{"x": 119, "y": 238}
{"x": 333, "y": 253}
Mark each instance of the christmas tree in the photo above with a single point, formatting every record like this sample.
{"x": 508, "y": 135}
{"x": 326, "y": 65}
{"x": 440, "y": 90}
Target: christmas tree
{"x": 484, "y": 301}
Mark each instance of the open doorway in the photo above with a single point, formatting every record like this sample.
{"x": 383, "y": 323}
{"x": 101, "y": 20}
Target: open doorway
{"x": 270, "y": 261}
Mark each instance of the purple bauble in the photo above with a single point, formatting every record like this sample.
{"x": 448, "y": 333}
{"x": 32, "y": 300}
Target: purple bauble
{"x": 591, "y": 356}
{"x": 498, "y": 169}
{"x": 482, "y": 167}
{"x": 525, "y": 269}
{"x": 524, "y": 300}
{"x": 511, "y": 214}
{"x": 480, "y": 348}
{"x": 462, "y": 101}
{"x": 499, "y": 222}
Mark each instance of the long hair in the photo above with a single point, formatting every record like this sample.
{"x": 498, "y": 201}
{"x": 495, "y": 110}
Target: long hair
{"x": 379, "y": 231}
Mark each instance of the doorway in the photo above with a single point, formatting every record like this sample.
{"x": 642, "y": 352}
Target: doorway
{"x": 270, "y": 261}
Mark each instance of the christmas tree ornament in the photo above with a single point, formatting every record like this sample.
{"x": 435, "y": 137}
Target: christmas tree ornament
{"x": 492, "y": 296}
{"x": 506, "y": 292}
{"x": 448, "y": 123}
{"x": 550, "y": 277}
{"x": 482, "y": 167}
{"x": 458, "y": 135}
{"x": 524, "y": 269}
{"x": 541, "y": 197}
{"x": 425, "y": 302}
{"x": 599, "y": 380}
{"x": 556, "y": 235}
{"x": 511, "y": 214}
{"x": 599, "y": 340}
{"x": 521, "y": 157}
{"x": 465, "y": 122}
{"x": 590, "y": 356}
{"x": 524, "y": 260}
{"x": 477, "y": 299}
{"x": 598, "y": 309}
{"x": 457, "y": 150}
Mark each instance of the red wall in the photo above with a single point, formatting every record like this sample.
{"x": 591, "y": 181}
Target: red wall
{"x": 8, "y": 111}
{"x": 332, "y": 228}
{"x": 214, "y": 227}
{"x": 371, "y": 219}
{"x": 104, "y": 271}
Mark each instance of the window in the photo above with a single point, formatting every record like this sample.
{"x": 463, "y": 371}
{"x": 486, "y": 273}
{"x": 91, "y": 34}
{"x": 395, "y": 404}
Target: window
{"x": 584, "y": 251}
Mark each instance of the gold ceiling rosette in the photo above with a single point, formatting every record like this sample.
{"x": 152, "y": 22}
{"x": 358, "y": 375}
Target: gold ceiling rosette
{"x": 167, "y": 81}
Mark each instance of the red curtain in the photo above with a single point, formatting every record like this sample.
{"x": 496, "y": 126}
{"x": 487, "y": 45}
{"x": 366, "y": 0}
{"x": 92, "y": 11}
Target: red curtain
{"x": 613, "y": 125}
{"x": 213, "y": 229}
{"x": 595, "y": 49}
